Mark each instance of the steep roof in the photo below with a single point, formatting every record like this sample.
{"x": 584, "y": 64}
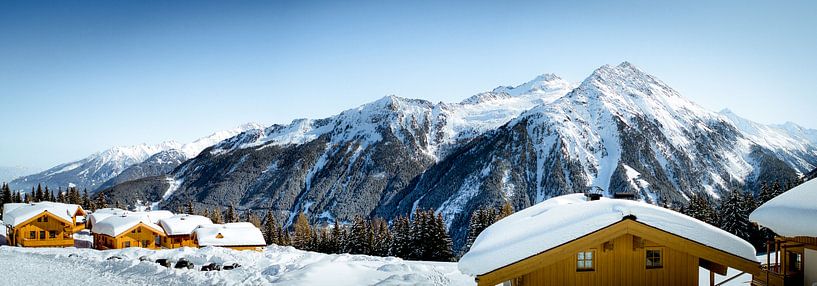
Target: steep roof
{"x": 793, "y": 213}
{"x": 183, "y": 224}
{"x": 16, "y": 213}
{"x": 117, "y": 224}
{"x": 562, "y": 219}
{"x": 101, "y": 214}
{"x": 232, "y": 234}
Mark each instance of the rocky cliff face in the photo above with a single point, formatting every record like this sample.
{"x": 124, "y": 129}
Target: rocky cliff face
{"x": 620, "y": 130}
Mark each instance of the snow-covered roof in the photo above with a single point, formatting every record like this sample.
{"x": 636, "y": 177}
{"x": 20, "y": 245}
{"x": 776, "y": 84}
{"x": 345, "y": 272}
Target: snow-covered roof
{"x": 156, "y": 216}
{"x": 115, "y": 225}
{"x": 101, "y": 214}
{"x": 793, "y": 213}
{"x": 562, "y": 219}
{"x": 17, "y": 213}
{"x": 183, "y": 224}
{"x": 233, "y": 234}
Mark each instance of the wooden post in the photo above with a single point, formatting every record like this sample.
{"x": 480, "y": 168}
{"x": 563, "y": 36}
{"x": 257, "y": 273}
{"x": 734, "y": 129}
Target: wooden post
{"x": 711, "y": 278}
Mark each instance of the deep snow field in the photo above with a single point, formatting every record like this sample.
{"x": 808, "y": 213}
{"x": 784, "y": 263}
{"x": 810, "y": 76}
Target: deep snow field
{"x": 277, "y": 265}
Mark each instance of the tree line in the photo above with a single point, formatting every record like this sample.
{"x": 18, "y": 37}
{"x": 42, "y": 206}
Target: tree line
{"x": 731, "y": 213}
{"x": 70, "y": 195}
{"x": 421, "y": 236}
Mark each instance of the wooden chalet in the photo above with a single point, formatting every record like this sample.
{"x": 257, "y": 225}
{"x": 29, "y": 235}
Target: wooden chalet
{"x": 179, "y": 230}
{"x": 792, "y": 258}
{"x": 42, "y": 224}
{"x": 573, "y": 240}
{"x": 127, "y": 230}
{"x": 237, "y": 236}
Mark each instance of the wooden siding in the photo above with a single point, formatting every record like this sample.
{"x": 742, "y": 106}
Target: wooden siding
{"x": 21, "y": 235}
{"x": 621, "y": 265}
{"x": 176, "y": 241}
{"x": 137, "y": 236}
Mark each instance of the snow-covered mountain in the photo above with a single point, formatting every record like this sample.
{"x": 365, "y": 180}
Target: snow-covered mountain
{"x": 102, "y": 166}
{"x": 620, "y": 130}
{"x": 8, "y": 173}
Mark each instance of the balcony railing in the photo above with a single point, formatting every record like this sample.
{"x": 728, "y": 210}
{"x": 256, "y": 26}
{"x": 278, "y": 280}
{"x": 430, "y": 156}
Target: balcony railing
{"x": 47, "y": 242}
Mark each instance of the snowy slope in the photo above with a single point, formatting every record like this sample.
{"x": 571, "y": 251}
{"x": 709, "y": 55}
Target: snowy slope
{"x": 789, "y": 141}
{"x": 441, "y": 124}
{"x": 275, "y": 266}
{"x": 97, "y": 168}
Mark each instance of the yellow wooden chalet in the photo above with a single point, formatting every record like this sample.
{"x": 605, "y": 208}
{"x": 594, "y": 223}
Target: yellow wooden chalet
{"x": 43, "y": 224}
{"x": 573, "y": 240}
{"x": 238, "y": 236}
{"x": 127, "y": 230}
{"x": 793, "y": 217}
{"x": 179, "y": 230}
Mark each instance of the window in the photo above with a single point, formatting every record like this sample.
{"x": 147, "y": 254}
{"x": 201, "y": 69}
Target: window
{"x": 32, "y": 235}
{"x": 45, "y": 219}
{"x": 795, "y": 262}
{"x": 52, "y": 234}
{"x": 654, "y": 259}
{"x": 39, "y": 219}
{"x": 584, "y": 261}
{"x": 145, "y": 243}
{"x": 42, "y": 234}
{"x": 126, "y": 244}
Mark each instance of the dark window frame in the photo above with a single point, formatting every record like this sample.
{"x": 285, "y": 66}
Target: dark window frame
{"x": 654, "y": 258}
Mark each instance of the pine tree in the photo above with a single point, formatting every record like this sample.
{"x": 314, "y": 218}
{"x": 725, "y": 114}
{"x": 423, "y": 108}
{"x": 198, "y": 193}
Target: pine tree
{"x": 303, "y": 232}
{"x": 101, "y": 203}
{"x": 38, "y": 196}
{"x": 701, "y": 209}
{"x": 86, "y": 201}
{"x": 119, "y": 205}
{"x": 337, "y": 238}
{"x": 401, "y": 238}
{"x": 285, "y": 238}
{"x": 440, "y": 244}
{"x": 270, "y": 229}
{"x": 733, "y": 215}
{"x": 382, "y": 239}
{"x": 232, "y": 215}
{"x": 190, "y": 209}
{"x": 216, "y": 216}
{"x": 206, "y": 214}
{"x": 358, "y": 240}
{"x": 49, "y": 195}
{"x": 7, "y": 196}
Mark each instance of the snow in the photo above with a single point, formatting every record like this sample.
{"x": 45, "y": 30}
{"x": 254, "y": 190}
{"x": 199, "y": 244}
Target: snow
{"x": 183, "y": 224}
{"x": 792, "y": 213}
{"x": 117, "y": 224}
{"x": 102, "y": 214}
{"x": 562, "y": 219}
{"x": 233, "y": 234}
{"x": 17, "y": 213}
{"x": 275, "y": 266}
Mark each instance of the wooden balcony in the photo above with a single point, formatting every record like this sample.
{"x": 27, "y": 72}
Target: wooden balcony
{"x": 66, "y": 242}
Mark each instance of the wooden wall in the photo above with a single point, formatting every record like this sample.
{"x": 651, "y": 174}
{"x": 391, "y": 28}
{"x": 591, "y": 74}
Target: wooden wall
{"x": 21, "y": 234}
{"x": 177, "y": 241}
{"x": 135, "y": 236}
{"x": 621, "y": 265}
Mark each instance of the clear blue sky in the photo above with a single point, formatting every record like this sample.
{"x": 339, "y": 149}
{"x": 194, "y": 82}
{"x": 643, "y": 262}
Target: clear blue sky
{"x": 77, "y": 77}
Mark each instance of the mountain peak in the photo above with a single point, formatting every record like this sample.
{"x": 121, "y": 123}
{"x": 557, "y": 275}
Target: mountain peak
{"x": 543, "y": 83}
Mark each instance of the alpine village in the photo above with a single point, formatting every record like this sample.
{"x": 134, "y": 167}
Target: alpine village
{"x": 394, "y": 143}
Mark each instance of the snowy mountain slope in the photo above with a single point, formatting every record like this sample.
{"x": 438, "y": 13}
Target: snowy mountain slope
{"x": 275, "y": 266}
{"x": 620, "y": 130}
{"x": 100, "y": 167}
{"x": 796, "y": 145}
{"x": 349, "y": 163}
